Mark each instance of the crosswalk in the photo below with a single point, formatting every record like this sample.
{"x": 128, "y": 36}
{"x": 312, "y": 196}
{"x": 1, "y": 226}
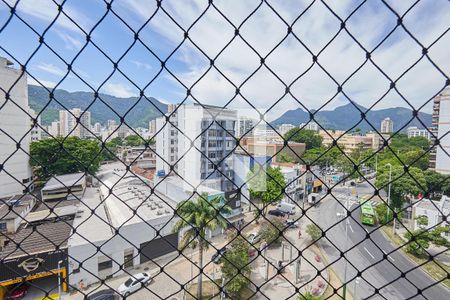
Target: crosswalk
{"x": 354, "y": 200}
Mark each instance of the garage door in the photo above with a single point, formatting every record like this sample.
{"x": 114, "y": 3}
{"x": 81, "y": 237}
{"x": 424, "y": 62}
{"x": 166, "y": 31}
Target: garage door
{"x": 158, "y": 247}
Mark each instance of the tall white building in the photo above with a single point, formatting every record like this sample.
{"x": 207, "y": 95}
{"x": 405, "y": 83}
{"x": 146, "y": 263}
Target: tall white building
{"x": 245, "y": 126}
{"x": 311, "y": 125}
{"x": 15, "y": 175}
{"x": 68, "y": 123}
{"x": 283, "y": 128}
{"x": 443, "y": 129}
{"x": 36, "y": 131}
{"x": 54, "y": 129}
{"x": 199, "y": 143}
{"x": 387, "y": 125}
{"x": 413, "y": 131}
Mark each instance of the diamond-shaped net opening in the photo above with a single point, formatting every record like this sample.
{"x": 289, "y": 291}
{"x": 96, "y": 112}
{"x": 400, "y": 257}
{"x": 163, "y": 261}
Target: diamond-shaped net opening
{"x": 224, "y": 150}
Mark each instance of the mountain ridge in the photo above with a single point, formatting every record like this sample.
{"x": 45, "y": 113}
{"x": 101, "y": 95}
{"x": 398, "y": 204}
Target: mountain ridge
{"x": 138, "y": 111}
{"x": 348, "y": 116}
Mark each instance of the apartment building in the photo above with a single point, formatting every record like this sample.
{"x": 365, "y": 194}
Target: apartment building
{"x": 15, "y": 176}
{"x": 197, "y": 142}
{"x": 69, "y": 125}
{"x": 36, "y": 130}
{"x": 284, "y": 128}
{"x": 311, "y": 125}
{"x": 443, "y": 128}
{"x": 350, "y": 142}
{"x": 273, "y": 148}
{"x": 387, "y": 125}
{"x": 414, "y": 131}
{"x": 245, "y": 126}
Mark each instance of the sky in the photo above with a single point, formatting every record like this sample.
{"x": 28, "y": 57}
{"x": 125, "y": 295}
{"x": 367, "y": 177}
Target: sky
{"x": 263, "y": 33}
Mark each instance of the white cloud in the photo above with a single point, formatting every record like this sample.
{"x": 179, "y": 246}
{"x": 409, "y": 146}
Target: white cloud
{"x": 47, "y": 10}
{"x": 71, "y": 43}
{"x": 118, "y": 90}
{"x": 317, "y": 26}
{"x": 51, "y": 69}
{"x": 46, "y": 83}
{"x": 141, "y": 65}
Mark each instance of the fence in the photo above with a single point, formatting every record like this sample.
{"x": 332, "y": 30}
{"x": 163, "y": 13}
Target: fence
{"x": 218, "y": 199}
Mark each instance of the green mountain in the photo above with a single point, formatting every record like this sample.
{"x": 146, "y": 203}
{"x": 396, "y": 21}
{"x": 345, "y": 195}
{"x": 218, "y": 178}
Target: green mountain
{"x": 137, "y": 111}
{"x": 349, "y": 116}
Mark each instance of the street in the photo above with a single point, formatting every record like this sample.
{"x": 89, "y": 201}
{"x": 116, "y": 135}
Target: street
{"x": 368, "y": 247}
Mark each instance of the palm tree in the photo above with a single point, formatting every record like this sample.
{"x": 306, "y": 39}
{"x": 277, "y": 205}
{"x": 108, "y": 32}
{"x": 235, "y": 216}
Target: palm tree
{"x": 196, "y": 217}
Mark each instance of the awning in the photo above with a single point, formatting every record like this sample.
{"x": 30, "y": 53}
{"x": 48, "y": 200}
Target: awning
{"x": 317, "y": 183}
{"x": 236, "y": 218}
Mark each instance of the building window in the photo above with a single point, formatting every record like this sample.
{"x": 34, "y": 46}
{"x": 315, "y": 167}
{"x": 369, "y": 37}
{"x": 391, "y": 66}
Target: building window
{"x": 128, "y": 256}
{"x": 3, "y": 226}
{"x": 104, "y": 265}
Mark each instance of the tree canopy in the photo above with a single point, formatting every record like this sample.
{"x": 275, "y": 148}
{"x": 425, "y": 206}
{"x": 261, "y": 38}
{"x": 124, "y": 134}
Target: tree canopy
{"x": 310, "y": 138}
{"x": 266, "y": 184}
{"x": 57, "y": 156}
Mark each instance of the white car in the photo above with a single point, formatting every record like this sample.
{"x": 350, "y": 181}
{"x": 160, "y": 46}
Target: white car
{"x": 253, "y": 238}
{"x": 134, "y": 283}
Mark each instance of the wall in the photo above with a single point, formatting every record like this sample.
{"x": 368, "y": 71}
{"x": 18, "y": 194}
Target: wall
{"x": 16, "y": 123}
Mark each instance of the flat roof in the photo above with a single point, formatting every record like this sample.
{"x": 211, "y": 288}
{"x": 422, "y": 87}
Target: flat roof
{"x": 428, "y": 204}
{"x": 64, "y": 181}
{"x": 31, "y": 240}
{"x": 19, "y": 204}
{"x": 46, "y": 215}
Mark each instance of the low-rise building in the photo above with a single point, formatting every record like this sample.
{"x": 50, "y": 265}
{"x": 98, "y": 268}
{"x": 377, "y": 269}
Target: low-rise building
{"x": 351, "y": 141}
{"x": 129, "y": 222}
{"x": 141, "y": 156}
{"x": 414, "y": 131}
{"x": 34, "y": 242}
{"x": 64, "y": 187}
{"x": 274, "y": 148}
{"x": 433, "y": 211}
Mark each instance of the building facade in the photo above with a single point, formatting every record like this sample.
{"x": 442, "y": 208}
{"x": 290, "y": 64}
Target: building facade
{"x": 413, "y": 131}
{"x": 197, "y": 142}
{"x": 387, "y": 126}
{"x": 16, "y": 176}
{"x": 69, "y": 125}
{"x": 36, "y": 130}
{"x": 443, "y": 129}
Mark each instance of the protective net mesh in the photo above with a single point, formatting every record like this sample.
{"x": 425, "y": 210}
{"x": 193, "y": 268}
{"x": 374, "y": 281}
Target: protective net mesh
{"x": 213, "y": 199}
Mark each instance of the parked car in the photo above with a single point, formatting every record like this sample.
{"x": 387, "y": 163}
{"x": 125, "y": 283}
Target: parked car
{"x": 290, "y": 223}
{"x": 106, "y": 294}
{"x": 253, "y": 238}
{"x": 286, "y": 208}
{"x": 134, "y": 283}
{"x": 18, "y": 291}
{"x": 218, "y": 255}
{"x": 276, "y": 213}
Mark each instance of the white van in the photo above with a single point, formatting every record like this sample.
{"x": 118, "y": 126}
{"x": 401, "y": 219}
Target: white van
{"x": 286, "y": 208}
{"x": 313, "y": 198}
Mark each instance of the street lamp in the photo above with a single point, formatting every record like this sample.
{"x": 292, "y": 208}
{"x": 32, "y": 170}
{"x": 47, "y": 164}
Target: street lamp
{"x": 389, "y": 191}
{"x": 347, "y": 223}
{"x": 59, "y": 279}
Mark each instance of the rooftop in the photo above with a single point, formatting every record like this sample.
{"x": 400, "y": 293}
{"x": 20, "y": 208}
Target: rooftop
{"x": 19, "y": 204}
{"x": 64, "y": 181}
{"x": 37, "y": 239}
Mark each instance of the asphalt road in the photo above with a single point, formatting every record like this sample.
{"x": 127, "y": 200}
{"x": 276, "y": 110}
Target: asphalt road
{"x": 366, "y": 255}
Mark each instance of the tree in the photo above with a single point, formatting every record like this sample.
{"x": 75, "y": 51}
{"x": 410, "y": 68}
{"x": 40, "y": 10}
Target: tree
{"x": 437, "y": 238}
{"x": 419, "y": 242}
{"x": 134, "y": 141}
{"x": 236, "y": 268}
{"x": 314, "y": 232}
{"x": 196, "y": 218}
{"x": 267, "y": 185}
{"x": 310, "y": 138}
{"x": 402, "y": 183}
{"x": 57, "y": 156}
{"x": 322, "y": 157}
{"x": 270, "y": 232}
{"x": 437, "y": 183}
{"x": 382, "y": 215}
{"x": 110, "y": 150}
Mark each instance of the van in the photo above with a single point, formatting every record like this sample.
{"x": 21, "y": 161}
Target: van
{"x": 313, "y": 198}
{"x": 286, "y": 208}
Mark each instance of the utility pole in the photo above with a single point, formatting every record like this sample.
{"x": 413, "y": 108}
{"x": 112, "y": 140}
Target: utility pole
{"x": 344, "y": 290}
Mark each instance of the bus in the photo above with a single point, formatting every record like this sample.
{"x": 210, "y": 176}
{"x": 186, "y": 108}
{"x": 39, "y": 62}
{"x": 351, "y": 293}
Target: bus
{"x": 367, "y": 212}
